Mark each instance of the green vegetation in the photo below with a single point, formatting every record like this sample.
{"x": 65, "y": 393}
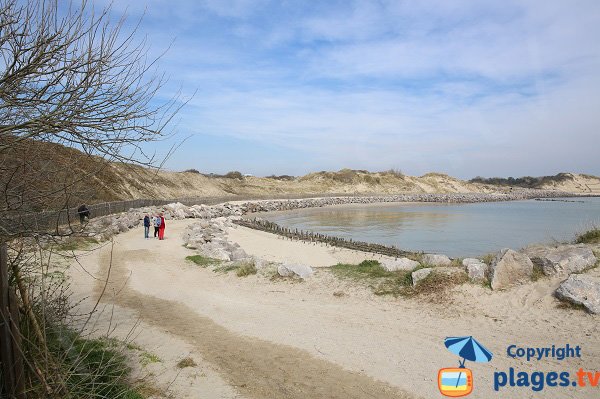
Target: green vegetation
{"x": 281, "y": 177}
{"x": 487, "y": 259}
{"x": 75, "y": 244}
{"x": 397, "y": 283}
{"x": 92, "y": 367}
{"x": 246, "y": 269}
{"x": 202, "y": 261}
{"x": 365, "y": 269}
{"x": 537, "y": 273}
{"x": 589, "y": 237}
{"x": 382, "y": 282}
{"x": 186, "y": 362}
{"x": 225, "y": 268}
{"x": 147, "y": 358}
{"x": 525, "y": 182}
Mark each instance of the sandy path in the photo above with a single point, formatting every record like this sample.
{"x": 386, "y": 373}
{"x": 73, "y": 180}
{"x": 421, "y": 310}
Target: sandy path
{"x": 255, "y": 367}
{"x": 279, "y": 339}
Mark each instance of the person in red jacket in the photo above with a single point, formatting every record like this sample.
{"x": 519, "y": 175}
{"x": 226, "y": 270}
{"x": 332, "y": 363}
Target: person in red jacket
{"x": 161, "y": 228}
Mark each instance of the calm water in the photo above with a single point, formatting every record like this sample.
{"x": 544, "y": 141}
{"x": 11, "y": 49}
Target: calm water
{"x": 452, "y": 229}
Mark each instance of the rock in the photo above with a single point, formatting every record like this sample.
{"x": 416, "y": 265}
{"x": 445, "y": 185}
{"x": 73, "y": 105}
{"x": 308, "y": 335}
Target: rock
{"x": 476, "y": 269}
{"x": 293, "y": 269}
{"x": 436, "y": 260}
{"x": 509, "y": 268}
{"x": 260, "y": 263}
{"x": 392, "y": 265}
{"x": 238, "y": 254}
{"x": 216, "y": 252}
{"x": 562, "y": 260}
{"x": 581, "y": 289}
{"x": 421, "y": 274}
{"x": 179, "y": 214}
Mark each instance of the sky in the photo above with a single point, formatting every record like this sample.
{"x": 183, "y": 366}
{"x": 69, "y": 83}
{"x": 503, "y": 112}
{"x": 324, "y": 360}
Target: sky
{"x": 468, "y": 88}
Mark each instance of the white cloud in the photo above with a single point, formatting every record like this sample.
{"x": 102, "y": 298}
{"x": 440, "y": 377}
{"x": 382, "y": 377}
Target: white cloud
{"x": 465, "y": 87}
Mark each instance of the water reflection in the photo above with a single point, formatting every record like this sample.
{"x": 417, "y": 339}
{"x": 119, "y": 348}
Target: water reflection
{"x": 454, "y": 229}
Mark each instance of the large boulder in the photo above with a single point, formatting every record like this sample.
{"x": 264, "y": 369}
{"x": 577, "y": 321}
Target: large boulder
{"x": 509, "y": 268}
{"x": 562, "y": 260}
{"x": 581, "y": 289}
{"x": 476, "y": 269}
{"x": 436, "y": 260}
{"x": 294, "y": 269}
{"x": 421, "y": 274}
{"x": 392, "y": 265}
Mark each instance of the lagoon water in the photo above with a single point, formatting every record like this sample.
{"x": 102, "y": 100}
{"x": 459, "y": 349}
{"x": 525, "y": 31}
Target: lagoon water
{"x": 452, "y": 229}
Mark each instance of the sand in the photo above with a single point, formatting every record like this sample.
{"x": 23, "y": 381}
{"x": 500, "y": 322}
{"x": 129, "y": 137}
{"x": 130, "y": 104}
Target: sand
{"x": 254, "y": 337}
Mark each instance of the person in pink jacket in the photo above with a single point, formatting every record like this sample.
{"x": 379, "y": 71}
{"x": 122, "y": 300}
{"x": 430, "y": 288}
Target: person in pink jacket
{"x": 161, "y": 228}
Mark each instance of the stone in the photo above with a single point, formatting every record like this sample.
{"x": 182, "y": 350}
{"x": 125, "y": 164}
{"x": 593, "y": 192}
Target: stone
{"x": 476, "y": 269}
{"x": 581, "y": 289}
{"x": 238, "y": 254}
{"x": 562, "y": 260}
{"x": 392, "y": 265}
{"x": 509, "y": 268}
{"x": 293, "y": 269}
{"x": 436, "y": 260}
{"x": 421, "y": 274}
{"x": 216, "y": 252}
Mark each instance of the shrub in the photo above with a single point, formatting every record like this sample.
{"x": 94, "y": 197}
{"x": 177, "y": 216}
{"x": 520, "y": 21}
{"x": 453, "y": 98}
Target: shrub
{"x": 186, "y": 362}
{"x": 394, "y": 172}
{"x": 246, "y": 269}
{"x": 192, "y": 171}
{"x": 234, "y": 175}
{"x": 589, "y": 237}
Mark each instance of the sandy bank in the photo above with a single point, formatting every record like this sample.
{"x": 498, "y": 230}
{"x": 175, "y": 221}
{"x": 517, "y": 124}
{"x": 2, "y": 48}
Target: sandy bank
{"x": 274, "y": 339}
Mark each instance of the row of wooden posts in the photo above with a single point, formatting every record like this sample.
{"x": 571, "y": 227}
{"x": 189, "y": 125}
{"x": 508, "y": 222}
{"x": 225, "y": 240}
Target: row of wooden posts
{"x": 11, "y": 352}
{"x": 307, "y": 236}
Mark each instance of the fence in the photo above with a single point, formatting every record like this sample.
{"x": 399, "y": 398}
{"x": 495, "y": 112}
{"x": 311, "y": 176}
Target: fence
{"x": 13, "y": 378}
{"x": 295, "y": 234}
{"x": 52, "y": 220}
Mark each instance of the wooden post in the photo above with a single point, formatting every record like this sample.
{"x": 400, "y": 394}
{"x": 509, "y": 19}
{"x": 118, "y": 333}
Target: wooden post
{"x": 6, "y": 355}
{"x": 10, "y": 336}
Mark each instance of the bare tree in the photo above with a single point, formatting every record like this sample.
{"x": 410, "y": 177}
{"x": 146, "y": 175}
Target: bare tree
{"x": 69, "y": 75}
{"x": 71, "y": 80}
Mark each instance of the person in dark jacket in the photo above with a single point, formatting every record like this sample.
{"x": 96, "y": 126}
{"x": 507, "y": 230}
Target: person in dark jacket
{"x": 84, "y": 213}
{"x": 146, "y": 225}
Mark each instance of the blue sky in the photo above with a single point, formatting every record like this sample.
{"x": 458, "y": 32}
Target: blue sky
{"x": 461, "y": 87}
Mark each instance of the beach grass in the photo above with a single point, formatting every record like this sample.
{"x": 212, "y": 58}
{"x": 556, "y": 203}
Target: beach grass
{"x": 93, "y": 367}
{"x": 589, "y": 237}
{"x": 202, "y": 261}
{"x": 75, "y": 244}
{"x": 246, "y": 269}
{"x": 186, "y": 362}
{"x": 370, "y": 269}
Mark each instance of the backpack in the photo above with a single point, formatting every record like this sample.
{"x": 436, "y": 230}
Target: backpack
{"x": 157, "y": 222}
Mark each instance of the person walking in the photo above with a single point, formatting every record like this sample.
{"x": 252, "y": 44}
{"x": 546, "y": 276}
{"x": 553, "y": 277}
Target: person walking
{"x": 161, "y": 228}
{"x": 156, "y": 225}
{"x": 84, "y": 213}
{"x": 146, "y": 226}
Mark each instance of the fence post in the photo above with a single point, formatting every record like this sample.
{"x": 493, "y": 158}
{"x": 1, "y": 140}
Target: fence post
{"x": 6, "y": 355}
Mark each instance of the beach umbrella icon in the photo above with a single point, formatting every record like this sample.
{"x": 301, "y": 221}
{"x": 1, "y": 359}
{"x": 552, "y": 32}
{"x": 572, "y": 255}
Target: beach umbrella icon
{"x": 469, "y": 349}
